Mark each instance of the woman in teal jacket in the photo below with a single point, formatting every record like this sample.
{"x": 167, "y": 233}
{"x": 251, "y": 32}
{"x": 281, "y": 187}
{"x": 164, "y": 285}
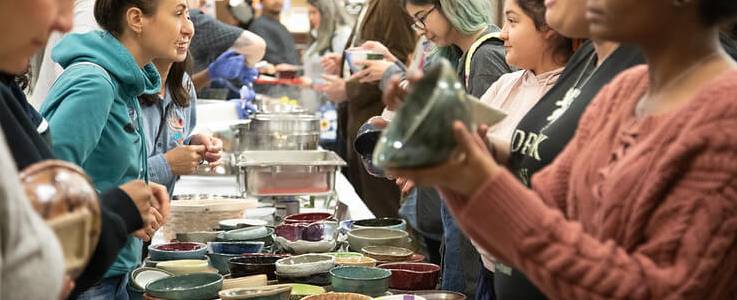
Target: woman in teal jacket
{"x": 93, "y": 108}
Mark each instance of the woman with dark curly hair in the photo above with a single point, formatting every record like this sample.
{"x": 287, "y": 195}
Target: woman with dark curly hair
{"x": 642, "y": 203}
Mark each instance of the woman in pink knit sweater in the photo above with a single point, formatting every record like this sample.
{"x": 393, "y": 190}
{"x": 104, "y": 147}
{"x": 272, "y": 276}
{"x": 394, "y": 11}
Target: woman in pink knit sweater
{"x": 642, "y": 204}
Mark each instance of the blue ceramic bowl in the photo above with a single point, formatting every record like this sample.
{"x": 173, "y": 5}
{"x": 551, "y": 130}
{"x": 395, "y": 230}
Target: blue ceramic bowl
{"x": 366, "y": 140}
{"x": 372, "y": 282}
{"x": 177, "y": 251}
{"x": 221, "y": 261}
{"x": 195, "y": 286}
{"x": 236, "y": 247}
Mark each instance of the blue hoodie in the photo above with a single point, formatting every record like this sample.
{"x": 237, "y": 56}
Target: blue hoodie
{"x": 93, "y": 110}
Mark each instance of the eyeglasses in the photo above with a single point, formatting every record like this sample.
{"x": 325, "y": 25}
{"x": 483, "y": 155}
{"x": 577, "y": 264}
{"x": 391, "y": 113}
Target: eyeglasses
{"x": 419, "y": 24}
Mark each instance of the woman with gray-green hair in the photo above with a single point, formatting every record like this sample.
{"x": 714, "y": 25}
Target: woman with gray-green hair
{"x": 463, "y": 33}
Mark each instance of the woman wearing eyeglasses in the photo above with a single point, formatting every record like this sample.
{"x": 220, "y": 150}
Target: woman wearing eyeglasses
{"x": 462, "y": 33}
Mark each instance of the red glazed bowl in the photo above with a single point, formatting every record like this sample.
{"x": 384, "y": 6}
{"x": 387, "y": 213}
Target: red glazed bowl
{"x": 412, "y": 276}
{"x": 307, "y": 218}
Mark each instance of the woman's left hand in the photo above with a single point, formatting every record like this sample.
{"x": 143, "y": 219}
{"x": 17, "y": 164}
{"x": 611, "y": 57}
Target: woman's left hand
{"x": 213, "y": 146}
{"x": 468, "y": 169}
{"x": 373, "y": 70}
{"x": 334, "y": 88}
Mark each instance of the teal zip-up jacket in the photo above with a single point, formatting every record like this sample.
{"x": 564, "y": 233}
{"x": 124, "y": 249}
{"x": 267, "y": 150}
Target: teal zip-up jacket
{"x": 93, "y": 113}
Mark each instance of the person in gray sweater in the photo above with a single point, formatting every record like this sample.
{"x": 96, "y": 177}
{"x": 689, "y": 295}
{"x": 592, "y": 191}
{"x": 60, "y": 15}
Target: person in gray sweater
{"x": 30, "y": 254}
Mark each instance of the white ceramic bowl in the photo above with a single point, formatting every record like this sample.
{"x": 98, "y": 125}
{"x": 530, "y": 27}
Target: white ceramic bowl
{"x": 305, "y": 265}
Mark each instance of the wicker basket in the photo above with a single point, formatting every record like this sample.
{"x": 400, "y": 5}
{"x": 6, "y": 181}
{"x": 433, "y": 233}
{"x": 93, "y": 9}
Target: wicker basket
{"x": 203, "y": 214}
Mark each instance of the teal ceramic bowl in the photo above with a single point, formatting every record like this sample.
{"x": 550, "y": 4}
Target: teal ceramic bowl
{"x": 195, "y": 286}
{"x": 221, "y": 261}
{"x": 372, "y": 282}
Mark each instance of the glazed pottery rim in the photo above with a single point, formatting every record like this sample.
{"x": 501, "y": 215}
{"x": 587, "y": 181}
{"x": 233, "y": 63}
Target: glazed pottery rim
{"x": 269, "y": 290}
{"x": 257, "y": 255}
{"x": 386, "y": 273}
{"x": 199, "y": 247}
{"x": 399, "y": 221}
{"x": 387, "y": 266}
{"x": 138, "y": 271}
{"x": 290, "y": 219}
{"x": 371, "y": 250}
{"x": 361, "y": 296}
{"x": 325, "y": 257}
{"x": 211, "y": 281}
{"x": 356, "y": 232}
{"x": 269, "y": 231}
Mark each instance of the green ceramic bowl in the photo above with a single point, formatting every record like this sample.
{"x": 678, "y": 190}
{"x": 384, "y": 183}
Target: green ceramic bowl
{"x": 372, "y": 282}
{"x": 421, "y": 133}
{"x": 195, "y": 286}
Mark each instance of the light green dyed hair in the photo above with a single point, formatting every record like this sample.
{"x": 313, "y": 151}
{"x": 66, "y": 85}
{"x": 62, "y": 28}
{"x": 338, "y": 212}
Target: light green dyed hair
{"x": 466, "y": 16}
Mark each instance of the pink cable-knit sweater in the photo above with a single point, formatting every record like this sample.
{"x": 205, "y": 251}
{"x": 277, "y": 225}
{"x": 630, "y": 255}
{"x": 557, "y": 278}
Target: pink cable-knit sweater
{"x": 632, "y": 208}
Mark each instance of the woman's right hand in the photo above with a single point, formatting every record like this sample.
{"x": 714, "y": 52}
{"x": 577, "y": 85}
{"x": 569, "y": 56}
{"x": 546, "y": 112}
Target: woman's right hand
{"x": 379, "y": 48}
{"x": 405, "y": 185}
{"x": 184, "y": 160}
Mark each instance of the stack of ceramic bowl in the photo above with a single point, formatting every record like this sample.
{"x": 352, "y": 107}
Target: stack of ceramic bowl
{"x": 307, "y": 269}
{"x": 372, "y": 282}
{"x": 179, "y": 257}
{"x": 221, "y": 253}
{"x": 307, "y": 233}
{"x": 364, "y": 237}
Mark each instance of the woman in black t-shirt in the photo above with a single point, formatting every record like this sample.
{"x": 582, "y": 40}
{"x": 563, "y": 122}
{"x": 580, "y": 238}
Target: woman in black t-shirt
{"x": 549, "y": 126}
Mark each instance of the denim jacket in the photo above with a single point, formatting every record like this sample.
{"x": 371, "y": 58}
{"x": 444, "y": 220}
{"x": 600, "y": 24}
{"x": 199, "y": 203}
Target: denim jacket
{"x": 168, "y": 125}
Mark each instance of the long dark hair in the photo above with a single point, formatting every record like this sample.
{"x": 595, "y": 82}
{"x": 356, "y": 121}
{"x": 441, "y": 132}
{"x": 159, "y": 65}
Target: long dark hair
{"x": 535, "y": 9}
{"x": 109, "y": 13}
{"x": 178, "y": 92}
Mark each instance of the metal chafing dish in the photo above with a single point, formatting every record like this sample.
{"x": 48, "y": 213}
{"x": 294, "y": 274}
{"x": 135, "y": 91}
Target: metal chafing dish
{"x": 278, "y": 132}
{"x": 288, "y": 173}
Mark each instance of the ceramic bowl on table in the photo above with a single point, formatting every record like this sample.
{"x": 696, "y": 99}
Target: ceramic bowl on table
{"x": 338, "y": 296}
{"x": 257, "y": 293}
{"x": 194, "y": 286}
{"x": 304, "y": 265}
{"x": 236, "y": 247}
{"x": 364, "y": 237}
{"x": 439, "y": 295}
{"x": 390, "y": 223}
{"x": 178, "y": 250}
{"x": 313, "y": 232}
{"x": 186, "y": 266}
{"x": 300, "y": 290}
{"x": 232, "y": 224}
{"x": 387, "y": 253}
{"x": 412, "y": 276}
{"x": 198, "y": 236}
{"x": 141, "y": 277}
{"x": 221, "y": 261}
{"x": 339, "y": 255}
{"x": 356, "y": 261}
{"x": 148, "y": 262}
{"x": 244, "y": 282}
{"x": 307, "y": 218}
{"x": 319, "y": 279}
{"x": 267, "y": 238}
{"x": 252, "y": 264}
{"x": 372, "y": 282}
{"x": 247, "y": 233}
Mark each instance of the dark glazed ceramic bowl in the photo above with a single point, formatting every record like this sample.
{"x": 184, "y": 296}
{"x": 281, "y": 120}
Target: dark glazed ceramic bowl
{"x": 412, "y": 276}
{"x": 254, "y": 264}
